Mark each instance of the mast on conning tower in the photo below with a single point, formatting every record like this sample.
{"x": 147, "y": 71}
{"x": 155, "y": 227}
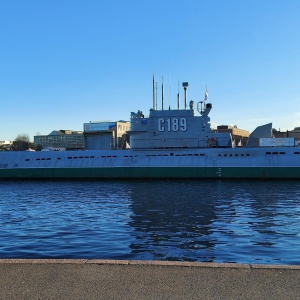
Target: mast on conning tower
{"x": 153, "y": 91}
{"x": 185, "y": 86}
{"x": 162, "y": 94}
{"x": 178, "y": 97}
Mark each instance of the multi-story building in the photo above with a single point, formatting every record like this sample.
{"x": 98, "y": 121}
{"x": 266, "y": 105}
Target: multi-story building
{"x": 68, "y": 139}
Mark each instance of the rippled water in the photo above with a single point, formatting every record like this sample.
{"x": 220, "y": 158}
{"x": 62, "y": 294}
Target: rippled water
{"x": 220, "y": 221}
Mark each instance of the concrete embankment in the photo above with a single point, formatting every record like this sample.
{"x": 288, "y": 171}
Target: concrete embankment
{"x": 103, "y": 279}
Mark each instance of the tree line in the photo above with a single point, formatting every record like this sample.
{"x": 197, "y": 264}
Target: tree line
{"x": 21, "y": 143}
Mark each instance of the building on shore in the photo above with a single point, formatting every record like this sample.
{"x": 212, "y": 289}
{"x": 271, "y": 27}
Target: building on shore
{"x": 295, "y": 133}
{"x": 68, "y": 139}
{"x": 96, "y": 136}
{"x": 106, "y": 135}
{"x": 239, "y": 136}
{"x": 5, "y": 145}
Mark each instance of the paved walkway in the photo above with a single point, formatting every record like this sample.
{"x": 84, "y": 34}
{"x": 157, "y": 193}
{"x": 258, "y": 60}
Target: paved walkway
{"x": 102, "y": 279}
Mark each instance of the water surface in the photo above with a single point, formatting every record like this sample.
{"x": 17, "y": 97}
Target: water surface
{"x": 199, "y": 220}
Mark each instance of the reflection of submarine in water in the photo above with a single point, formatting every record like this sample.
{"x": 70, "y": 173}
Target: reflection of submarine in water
{"x": 171, "y": 221}
{"x": 224, "y": 221}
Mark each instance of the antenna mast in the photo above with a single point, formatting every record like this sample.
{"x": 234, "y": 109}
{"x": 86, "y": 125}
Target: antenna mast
{"x": 162, "y": 94}
{"x": 153, "y": 91}
{"x": 178, "y": 97}
{"x": 185, "y": 86}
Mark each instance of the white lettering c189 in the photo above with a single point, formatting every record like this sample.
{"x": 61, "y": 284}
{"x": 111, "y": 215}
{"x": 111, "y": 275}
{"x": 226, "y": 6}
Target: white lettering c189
{"x": 172, "y": 124}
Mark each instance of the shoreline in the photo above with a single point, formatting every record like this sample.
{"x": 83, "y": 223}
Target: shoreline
{"x": 146, "y": 262}
{"x": 124, "y": 279}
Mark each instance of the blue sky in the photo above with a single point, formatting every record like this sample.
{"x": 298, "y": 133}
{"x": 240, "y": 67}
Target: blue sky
{"x": 64, "y": 63}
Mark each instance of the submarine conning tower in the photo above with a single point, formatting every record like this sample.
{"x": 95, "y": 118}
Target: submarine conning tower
{"x": 175, "y": 128}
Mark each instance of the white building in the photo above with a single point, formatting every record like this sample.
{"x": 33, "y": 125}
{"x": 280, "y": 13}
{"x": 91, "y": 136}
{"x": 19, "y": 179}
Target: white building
{"x": 6, "y": 143}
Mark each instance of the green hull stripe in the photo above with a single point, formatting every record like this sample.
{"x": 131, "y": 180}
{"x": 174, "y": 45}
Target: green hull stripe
{"x": 154, "y": 172}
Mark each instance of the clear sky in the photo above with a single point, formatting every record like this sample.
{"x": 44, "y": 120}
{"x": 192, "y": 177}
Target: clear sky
{"x": 64, "y": 63}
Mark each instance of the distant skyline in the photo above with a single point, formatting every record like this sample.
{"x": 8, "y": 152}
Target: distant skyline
{"x": 65, "y": 63}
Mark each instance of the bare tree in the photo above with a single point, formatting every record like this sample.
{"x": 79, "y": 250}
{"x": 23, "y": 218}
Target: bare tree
{"x": 24, "y": 137}
{"x": 21, "y": 142}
